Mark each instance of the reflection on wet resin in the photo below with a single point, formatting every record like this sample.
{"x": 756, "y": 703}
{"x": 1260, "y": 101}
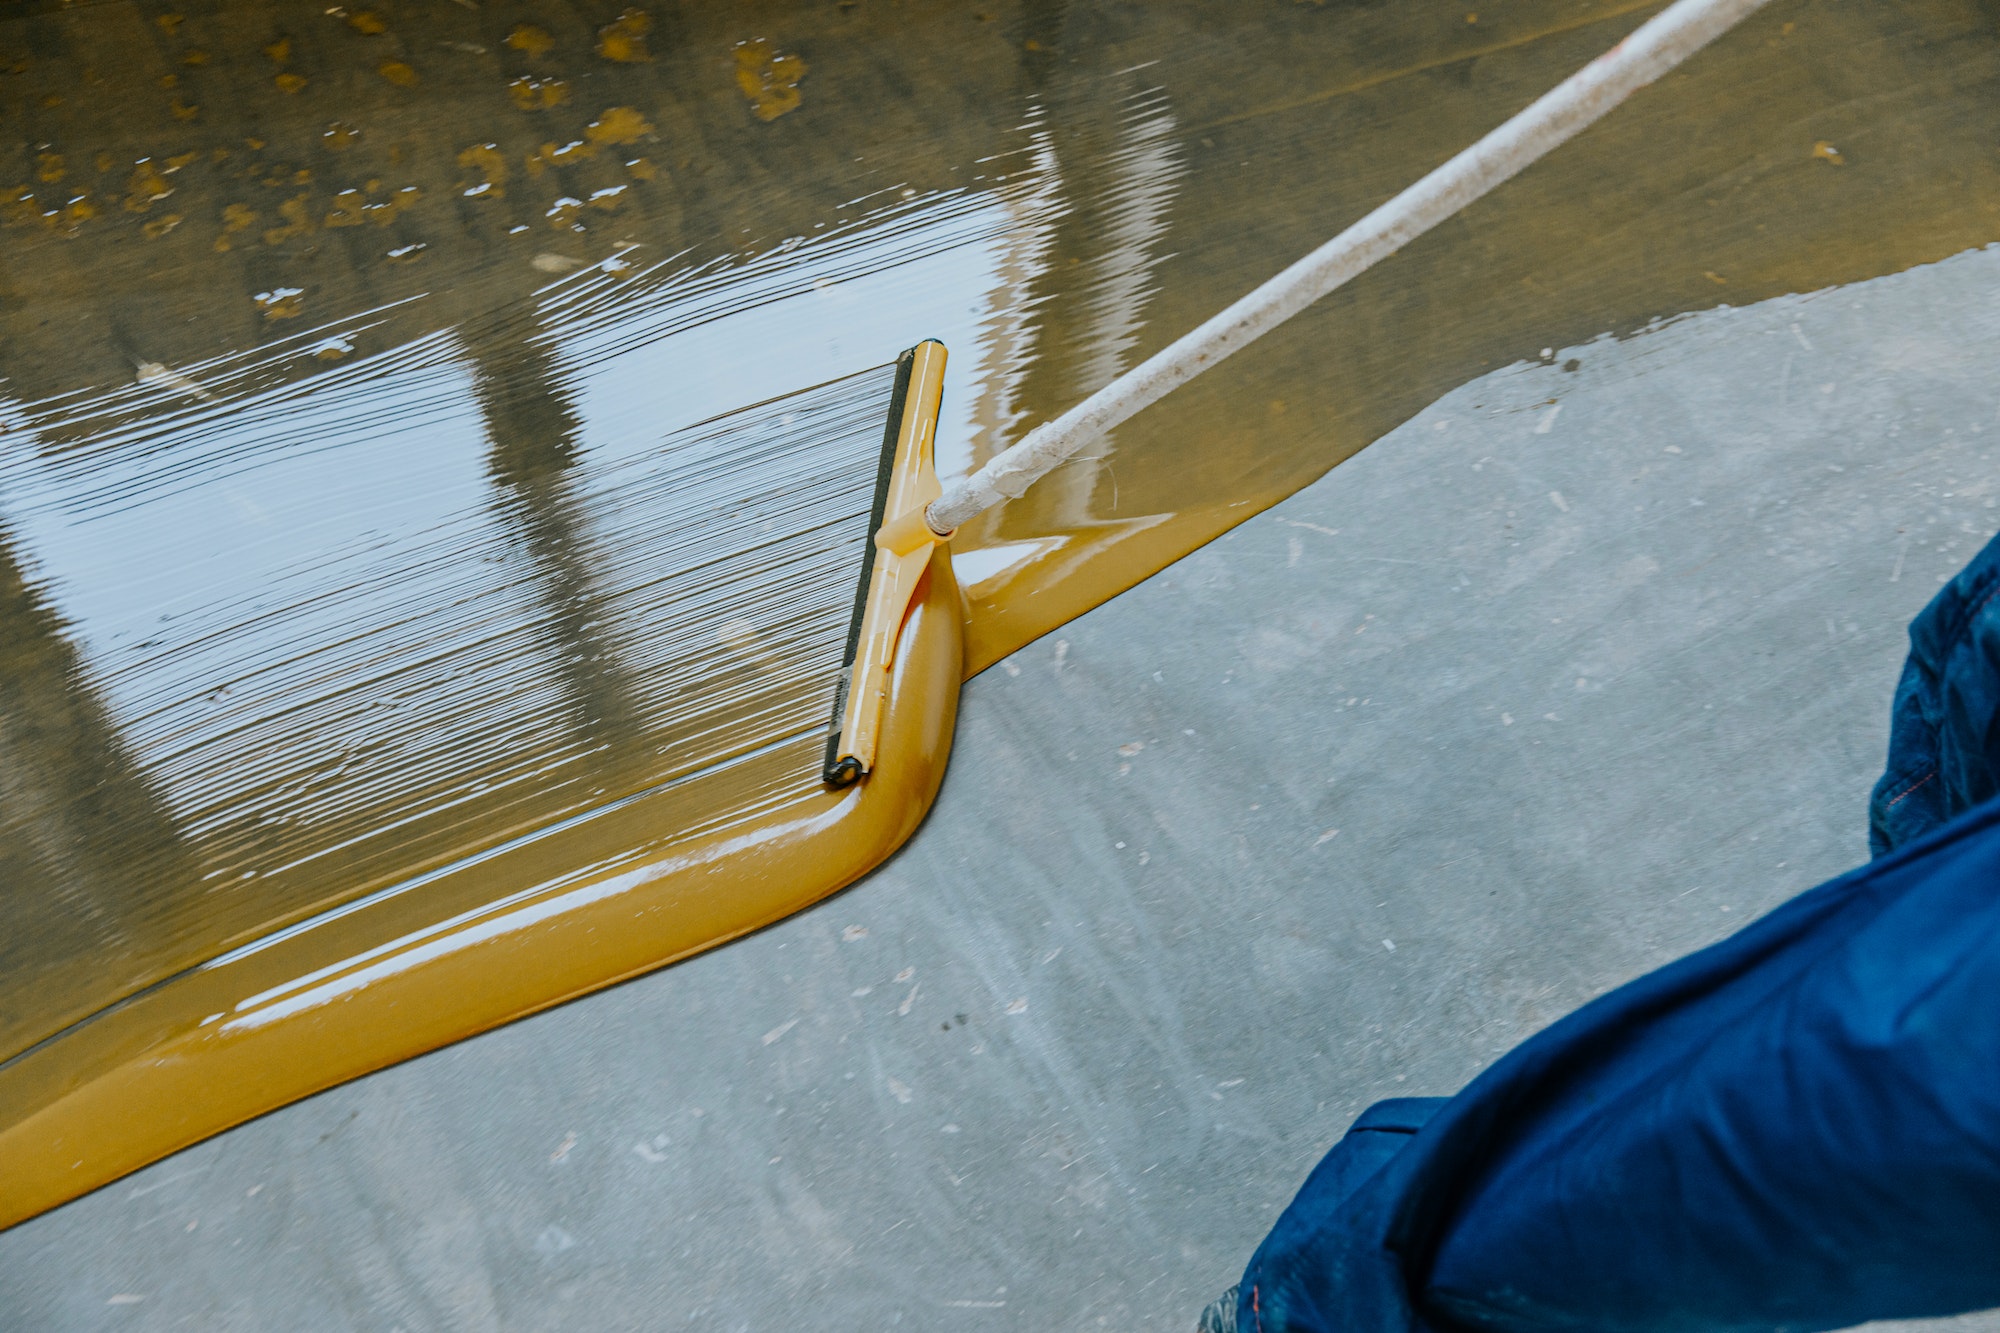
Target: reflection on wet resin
{"x": 436, "y": 441}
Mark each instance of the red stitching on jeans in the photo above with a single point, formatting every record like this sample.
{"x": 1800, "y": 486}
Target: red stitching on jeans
{"x": 1897, "y": 798}
{"x": 1256, "y": 1308}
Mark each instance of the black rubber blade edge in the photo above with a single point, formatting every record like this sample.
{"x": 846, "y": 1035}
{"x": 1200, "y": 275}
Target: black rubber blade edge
{"x": 836, "y": 771}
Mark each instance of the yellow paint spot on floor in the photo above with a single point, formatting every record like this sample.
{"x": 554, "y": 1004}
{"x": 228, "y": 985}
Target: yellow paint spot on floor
{"x": 289, "y": 82}
{"x": 281, "y": 302}
{"x": 347, "y": 206}
{"x": 398, "y": 73}
{"x": 352, "y": 207}
{"x": 491, "y": 164}
{"x": 49, "y": 167}
{"x": 624, "y": 38}
{"x": 530, "y": 40}
{"x": 235, "y": 219}
{"x": 147, "y": 186}
{"x": 1826, "y": 152}
{"x": 532, "y": 94}
{"x": 78, "y": 211}
{"x": 550, "y": 155}
{"x": 383, "y": 212}
{"x": 367, "y": 22}
{"x": 769, "y": 78}
{"x": 618, "y": 125}
{"x": 18, "y": 205}
{"x": 297, "y": 221}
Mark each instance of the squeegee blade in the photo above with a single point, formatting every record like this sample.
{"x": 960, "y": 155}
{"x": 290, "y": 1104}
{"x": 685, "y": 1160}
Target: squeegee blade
{"x": 905, "y": 480}
{"x": 843, "y": 770}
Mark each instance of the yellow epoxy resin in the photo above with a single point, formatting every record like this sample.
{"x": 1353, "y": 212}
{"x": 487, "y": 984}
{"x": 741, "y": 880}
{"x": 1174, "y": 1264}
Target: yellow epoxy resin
{"x": 349, "y": 994}
{"x": 391, "y": 640}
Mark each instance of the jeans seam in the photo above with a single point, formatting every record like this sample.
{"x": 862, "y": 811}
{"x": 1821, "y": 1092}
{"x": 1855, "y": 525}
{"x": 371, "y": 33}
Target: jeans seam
{"x": 1963, "y": 623}
{"x": 1954, "y": 622}
{"x": 1897, "y": 798}
{"x": 1985, "y": 601}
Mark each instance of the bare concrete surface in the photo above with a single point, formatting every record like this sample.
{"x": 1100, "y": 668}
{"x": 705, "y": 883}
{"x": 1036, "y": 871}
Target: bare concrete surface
{"x": 1582, "y": 668}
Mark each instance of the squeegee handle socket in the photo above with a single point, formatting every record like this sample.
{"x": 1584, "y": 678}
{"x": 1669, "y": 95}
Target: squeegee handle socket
{"x": 909, "y": 531}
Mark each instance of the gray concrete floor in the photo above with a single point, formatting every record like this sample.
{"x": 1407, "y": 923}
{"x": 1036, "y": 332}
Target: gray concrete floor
{"x": 1581, "y": 669}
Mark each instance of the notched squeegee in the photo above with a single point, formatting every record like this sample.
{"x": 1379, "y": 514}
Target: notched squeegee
{"x": 899, "y": 554}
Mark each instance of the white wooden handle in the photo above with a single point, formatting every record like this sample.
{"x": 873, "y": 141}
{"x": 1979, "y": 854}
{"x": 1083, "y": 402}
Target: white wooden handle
{"x": 1659, "y": 44}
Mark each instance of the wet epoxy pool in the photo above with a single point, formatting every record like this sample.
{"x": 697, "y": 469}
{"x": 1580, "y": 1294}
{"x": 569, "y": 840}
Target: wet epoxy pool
{"x": 326, "y": 334}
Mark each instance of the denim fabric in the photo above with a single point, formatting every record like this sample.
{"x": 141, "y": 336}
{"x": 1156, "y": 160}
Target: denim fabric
{"x": 1795, "y": 1129}
{"x": 1944, "y": 741}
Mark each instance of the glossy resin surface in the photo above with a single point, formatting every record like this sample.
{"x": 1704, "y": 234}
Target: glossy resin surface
{"x": 436, "y": 455}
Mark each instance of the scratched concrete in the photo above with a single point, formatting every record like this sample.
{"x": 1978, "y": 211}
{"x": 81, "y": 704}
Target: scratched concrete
{"x": 1580, "y": 669}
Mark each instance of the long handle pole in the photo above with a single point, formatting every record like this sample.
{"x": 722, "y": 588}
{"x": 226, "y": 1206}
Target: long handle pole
{"x": 1661, "y": 43}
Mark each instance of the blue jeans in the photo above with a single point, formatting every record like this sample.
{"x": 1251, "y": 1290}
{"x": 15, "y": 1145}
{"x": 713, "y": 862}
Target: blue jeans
{"x": 1796, "y": 1129}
